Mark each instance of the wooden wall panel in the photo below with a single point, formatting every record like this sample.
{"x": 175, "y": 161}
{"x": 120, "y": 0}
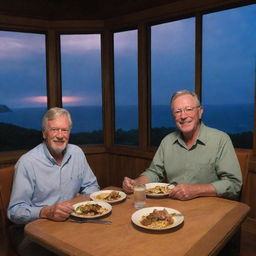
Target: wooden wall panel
{"x": 100, "y": 166}
{"x": 121, "y": 166}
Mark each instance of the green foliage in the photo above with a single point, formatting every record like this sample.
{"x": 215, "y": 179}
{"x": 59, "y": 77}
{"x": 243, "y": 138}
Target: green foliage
{"x": 94, "y": 137}
{"x": 13, "y": 137}
{"x": 129, "y": 138}
{"x": 157, "y": 134}
{"x": 242, "y": 140}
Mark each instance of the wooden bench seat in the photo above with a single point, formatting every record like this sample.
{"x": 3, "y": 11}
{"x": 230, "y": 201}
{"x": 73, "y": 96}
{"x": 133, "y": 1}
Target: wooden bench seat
{"x": 6, "y": 178}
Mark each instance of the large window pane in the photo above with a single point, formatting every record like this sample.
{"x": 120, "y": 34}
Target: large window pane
{"x": 172, "y": 69}
{"x": 126, "y": 87}
{"x": 23, "y": 98}
{"x": 229, "y": 59}
{"x": 82, "y": 86}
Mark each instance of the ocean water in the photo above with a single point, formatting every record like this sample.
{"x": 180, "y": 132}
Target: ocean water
{"x": 229, "y": 118}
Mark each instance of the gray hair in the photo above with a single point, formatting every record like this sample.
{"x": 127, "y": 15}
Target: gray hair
{"x": 185, "y": 92}
{"x": 54, "y": 113}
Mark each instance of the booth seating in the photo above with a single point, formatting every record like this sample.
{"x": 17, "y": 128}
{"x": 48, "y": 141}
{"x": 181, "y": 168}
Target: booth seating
{"x": 243, "y": 158}
{"x": 6, "y": 178}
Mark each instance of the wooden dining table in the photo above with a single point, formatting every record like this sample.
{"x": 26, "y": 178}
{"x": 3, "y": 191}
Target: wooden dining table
{"x": 209, "y": 223}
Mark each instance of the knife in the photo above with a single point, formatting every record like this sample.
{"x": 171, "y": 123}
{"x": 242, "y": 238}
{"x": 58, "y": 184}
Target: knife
{"x": 92, "y": 221}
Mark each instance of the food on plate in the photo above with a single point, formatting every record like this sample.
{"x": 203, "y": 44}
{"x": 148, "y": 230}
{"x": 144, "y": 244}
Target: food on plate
{"x": 158, "y": 190}
{"x": 112, "y": 196}
{"x": 90, "y": 210}
{"x": 157, "y": 219}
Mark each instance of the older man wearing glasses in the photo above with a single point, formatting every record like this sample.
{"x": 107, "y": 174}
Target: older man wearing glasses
{"x": 201, "y": 160}
{"x": 46, "y": 177}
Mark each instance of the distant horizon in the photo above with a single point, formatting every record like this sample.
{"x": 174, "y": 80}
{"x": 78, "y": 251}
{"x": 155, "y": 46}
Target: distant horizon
{"x": 211, "y": 104}
{"x": 231, "y": 118}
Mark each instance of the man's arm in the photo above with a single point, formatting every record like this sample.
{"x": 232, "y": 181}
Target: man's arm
{"x": 128, "y": 183}
{"x": 20, "y": 208}
{"x": 90, "y": 183}
{"x": 57, "y": 212}
{"x": 187, "y": 192}
{"x": 228, "y": 171}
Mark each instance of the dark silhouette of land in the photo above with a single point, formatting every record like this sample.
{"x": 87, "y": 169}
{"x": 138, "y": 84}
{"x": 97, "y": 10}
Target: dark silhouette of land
{"x": 4, "y": 108}
{"x": 13, "y": 137}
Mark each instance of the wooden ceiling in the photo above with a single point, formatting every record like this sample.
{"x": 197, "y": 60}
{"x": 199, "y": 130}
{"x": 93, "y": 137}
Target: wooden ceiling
{"x": 76, "y": 9}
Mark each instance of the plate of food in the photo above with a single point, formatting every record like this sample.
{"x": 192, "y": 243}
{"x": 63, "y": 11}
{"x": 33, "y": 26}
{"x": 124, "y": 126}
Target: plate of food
{"x": 91, "y": 209}
{"x": 157, "y": 218}
{"x": 109, "y": 196}
{"x": 158, "y": 189}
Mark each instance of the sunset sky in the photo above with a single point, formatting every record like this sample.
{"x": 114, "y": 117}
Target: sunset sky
{"x": 229, "y": 62}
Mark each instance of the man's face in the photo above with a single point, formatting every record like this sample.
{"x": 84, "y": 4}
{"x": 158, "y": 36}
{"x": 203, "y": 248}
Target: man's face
{"x": 186, "y": 114}
{"x": 56, "y": 134}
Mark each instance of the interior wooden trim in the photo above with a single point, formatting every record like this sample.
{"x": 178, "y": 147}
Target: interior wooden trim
{"x": 174, "y": 10}
{"x": 143, "y": 85}
{"x": 93, "y": 149}
{"x": 53, "y": 69}
{"x": 108, "y": 88}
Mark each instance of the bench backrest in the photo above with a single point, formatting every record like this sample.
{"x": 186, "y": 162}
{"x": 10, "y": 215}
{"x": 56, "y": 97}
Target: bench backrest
{"x": 243, "y": 158}
{"x": 6, "y": 178}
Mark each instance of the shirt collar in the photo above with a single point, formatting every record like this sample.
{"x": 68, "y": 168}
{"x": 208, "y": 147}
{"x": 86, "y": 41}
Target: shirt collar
{"x": 66, "y": 157}
{"x": 201, "y": 138}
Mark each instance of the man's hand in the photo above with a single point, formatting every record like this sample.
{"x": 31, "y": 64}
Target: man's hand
{"x": 58, "y": 212}
{"x": 187, "y": 192}
{"x": 128, "y": 184}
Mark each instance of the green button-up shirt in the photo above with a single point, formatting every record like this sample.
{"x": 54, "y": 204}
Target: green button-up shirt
{"x": 211, "y": 160}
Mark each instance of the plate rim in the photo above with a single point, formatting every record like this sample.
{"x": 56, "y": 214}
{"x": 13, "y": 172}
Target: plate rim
{"x": 103, "y": 204}
{"x": 158, "y": 195}
{"x": 123, "y": 196}
{"x": 178, "y": 219}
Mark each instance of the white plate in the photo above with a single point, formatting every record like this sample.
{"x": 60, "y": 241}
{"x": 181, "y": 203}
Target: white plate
{"x": 137, "y": 217}
{"x": 152, "y": 185}
{"x": 94, "y": 195}
{"x": 105, "y": 205}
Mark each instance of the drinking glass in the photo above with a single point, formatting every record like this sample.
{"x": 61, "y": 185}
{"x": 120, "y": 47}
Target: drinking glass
{"x": 139, "y": 191}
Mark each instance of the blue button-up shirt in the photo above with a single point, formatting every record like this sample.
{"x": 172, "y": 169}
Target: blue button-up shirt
{"x": 39, "y": 181}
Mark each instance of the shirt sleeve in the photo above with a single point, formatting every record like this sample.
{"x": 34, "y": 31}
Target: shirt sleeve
{"x": 90, "y": 183}
{"x": 156, "y": 170}
{"x": 228, "y": 171}
{"x": 20, "y": 210}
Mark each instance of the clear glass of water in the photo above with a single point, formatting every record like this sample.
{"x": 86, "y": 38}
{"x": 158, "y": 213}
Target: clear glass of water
{"x": 139, "y": 192}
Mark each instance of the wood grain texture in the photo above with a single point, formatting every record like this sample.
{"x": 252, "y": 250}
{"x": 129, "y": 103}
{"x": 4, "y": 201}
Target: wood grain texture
{"x": 209, "y": 224}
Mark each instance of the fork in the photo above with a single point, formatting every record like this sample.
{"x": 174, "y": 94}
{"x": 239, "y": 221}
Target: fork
{"x": 91, "y": 221}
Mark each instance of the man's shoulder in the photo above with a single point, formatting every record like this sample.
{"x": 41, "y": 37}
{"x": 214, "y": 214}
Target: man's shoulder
{"x": 214, "y": 132}
{"x": 32, "y": 156}
{"x": 34, "y": 152}
{"x": 171, "y": 137}
{"x": 72, "y": 148}
{"x": 213, "y": 135}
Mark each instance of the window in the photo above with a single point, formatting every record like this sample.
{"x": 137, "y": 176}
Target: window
{"x": 172, "y": 69}
{"x": 229, "y": 69}
{"x": 23, "y": 89}
{"x": 82, "y": 86}
{"x": 126, "y": 87}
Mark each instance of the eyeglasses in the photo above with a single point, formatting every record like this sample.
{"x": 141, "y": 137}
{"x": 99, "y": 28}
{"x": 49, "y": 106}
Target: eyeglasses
{"x": 187, "y": 110}
{"x": 57, "y": 130}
